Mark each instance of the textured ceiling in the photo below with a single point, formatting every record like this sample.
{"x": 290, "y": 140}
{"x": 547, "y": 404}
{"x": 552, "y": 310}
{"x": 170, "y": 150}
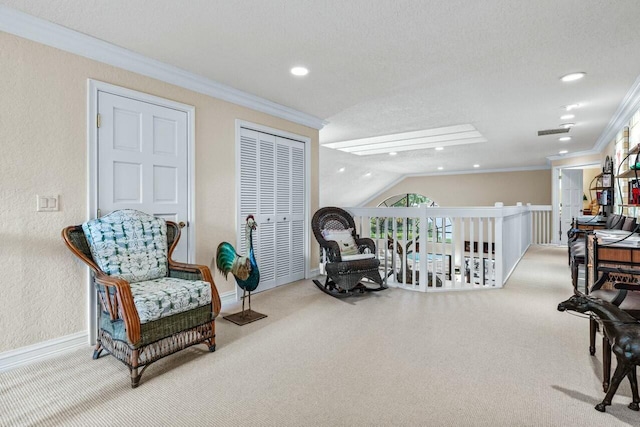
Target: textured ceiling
{"x": 382, "y": 67}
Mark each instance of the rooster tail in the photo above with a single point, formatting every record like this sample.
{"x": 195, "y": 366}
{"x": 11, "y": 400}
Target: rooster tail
{"x": 228, "y": 261}
{"x": 225, "y": 256}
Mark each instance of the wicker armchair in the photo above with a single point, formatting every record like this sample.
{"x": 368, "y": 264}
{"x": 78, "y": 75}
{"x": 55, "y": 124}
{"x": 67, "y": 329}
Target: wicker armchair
{"x": 345, "y": 272}
{"x": 151, "y": 306}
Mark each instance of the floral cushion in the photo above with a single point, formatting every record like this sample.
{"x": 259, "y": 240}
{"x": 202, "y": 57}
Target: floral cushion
{"x": 344, "y": 238}
{"x": 128, "y": 244}
{"x": 167, "y": 296}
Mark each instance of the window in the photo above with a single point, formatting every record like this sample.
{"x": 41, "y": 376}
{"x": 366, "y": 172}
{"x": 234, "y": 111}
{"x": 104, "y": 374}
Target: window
{"x": 381, "y": 226}
{"x": 407, "y": 200}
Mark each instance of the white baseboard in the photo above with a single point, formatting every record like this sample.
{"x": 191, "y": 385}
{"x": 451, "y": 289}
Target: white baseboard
{"x": 228, "y": 298}
{"x": 40, "y": 351}
{"x": 315, "y": 272}
{"x": 43, "y": 350}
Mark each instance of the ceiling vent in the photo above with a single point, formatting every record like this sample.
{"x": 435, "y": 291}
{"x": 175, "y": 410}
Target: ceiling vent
{"x": 552, "y": 131}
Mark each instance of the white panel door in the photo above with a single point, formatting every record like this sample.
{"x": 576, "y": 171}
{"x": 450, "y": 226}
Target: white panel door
{"x": 142, "y": 161}
{"x": 571, "y": 200}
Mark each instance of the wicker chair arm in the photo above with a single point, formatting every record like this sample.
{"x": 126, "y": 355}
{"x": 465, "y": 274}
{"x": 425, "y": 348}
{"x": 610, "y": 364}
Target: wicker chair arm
{"x": 332, "y": 248}
{"x": 66, "y": 236}
{"x": 366, "y": 243}
{"x": 124, "y": 301}
{"x": 205, "y": 274}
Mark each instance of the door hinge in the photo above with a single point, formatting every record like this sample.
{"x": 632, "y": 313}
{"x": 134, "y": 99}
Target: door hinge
{"x": 98, "y": 120}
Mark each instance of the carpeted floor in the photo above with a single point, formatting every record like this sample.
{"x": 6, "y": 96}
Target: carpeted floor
{"x": 480, "y": 358}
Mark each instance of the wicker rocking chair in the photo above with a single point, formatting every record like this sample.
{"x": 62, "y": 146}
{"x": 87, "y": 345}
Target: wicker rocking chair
{"x": 334, "y": 230}
{"x": 151, "y": 306}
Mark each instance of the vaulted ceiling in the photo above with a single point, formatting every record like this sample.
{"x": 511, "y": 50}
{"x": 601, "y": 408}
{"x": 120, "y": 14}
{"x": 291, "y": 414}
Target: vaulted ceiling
{"x": 384, "y": 67}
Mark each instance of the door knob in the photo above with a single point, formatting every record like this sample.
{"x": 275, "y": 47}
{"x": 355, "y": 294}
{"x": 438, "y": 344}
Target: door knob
{"x": 182, "y": 224}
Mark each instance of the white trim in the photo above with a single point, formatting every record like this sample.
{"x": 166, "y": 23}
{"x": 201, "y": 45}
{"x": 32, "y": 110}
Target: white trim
{"x": 575, "y": 154}
{"x": 307, "y": 184}
{"x": 95, "y": 86}
{"x": 38, "y": 352}
{"x": 314, "y": 272}
{"x": 41, "y": 351}
{"x": 50, "y": 34}
{"x": 466, "y": 172}
{"x": 228, "y": 298}
{"x": 477, "y": 171}
{"x": 555, "y": 203}
{"x": 92, "y": 201}
{"x": 620, "y": 119}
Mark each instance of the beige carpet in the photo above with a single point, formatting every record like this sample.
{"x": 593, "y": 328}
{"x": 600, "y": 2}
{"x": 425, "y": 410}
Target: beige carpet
{"x": 479, "y": 358}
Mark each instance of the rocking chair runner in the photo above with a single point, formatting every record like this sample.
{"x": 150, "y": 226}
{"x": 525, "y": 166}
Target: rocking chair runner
{"x": 345, "y": 270}
{"x": 152, "y": 306}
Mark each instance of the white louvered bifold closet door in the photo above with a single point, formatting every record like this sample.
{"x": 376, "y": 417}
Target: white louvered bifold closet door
{"x": 272, "y": 182}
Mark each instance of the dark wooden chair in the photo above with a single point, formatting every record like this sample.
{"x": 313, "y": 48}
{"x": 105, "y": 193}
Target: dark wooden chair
{"x": 129, "y": 254}
{"x": 345, "y": 272}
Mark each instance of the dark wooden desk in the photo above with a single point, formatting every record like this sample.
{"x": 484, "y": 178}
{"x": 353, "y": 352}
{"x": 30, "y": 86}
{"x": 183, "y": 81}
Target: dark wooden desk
{"x": 590, "y": 225}
{"x": 611, "y": 256}
{"x": 606, "y": 266}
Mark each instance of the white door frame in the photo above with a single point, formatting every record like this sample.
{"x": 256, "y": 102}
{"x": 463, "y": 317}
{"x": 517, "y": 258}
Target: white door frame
{"x": 555, "y": 197}
{"x": 307, "y": 185}
{"x": 93, "y": 87}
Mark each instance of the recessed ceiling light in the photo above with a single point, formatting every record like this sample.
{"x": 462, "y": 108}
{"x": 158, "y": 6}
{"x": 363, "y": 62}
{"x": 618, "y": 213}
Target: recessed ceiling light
{"x": 565, "y": 138}
{"x": 567, "y": 125}
{"x": 573, "y": 77}
{"x": 393, "y": 153}
{"x": 571, "y": 107}
{"x": 367, "y": 174}
{"x": 440, "y": 168}
{"x": 476, "y": 166}
{"x": 439, "y": 148}
{"x": 299, "y": 71}
{"x": 563, "y": 151}
{"x": 567, "y": 117}
{"x": 341, "y": 170}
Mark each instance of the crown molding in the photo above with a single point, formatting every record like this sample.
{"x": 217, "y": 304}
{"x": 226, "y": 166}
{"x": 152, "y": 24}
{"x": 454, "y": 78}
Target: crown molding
{"x": 59, "y": 37}
{"x": 477, "y": 171}
{"x": 627, "y": 108}
{"x": 591, "y": 152}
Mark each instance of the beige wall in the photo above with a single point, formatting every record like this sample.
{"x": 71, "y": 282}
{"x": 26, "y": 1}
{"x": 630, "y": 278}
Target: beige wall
{"x": 588, "y": 175}
{"x": 481, "y": 189}
{"x": 43, "y": 131}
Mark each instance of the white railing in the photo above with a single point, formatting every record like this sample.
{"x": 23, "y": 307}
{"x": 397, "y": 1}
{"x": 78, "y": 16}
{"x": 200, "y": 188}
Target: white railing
{"x": 540, "y": 224}
{"x": 464, "y": 248}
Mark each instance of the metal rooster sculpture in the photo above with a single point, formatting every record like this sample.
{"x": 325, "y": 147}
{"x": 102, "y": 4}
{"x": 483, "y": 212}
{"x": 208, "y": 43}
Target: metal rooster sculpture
{"x": 244, "y": 269}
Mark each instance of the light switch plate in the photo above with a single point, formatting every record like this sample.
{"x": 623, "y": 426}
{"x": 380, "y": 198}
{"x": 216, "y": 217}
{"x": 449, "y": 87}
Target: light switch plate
{"x": 47, "y": 203}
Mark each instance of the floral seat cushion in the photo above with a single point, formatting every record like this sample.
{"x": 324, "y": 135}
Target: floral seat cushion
{"x": 166, "y": 296}
{"x": 129, "y": 244}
